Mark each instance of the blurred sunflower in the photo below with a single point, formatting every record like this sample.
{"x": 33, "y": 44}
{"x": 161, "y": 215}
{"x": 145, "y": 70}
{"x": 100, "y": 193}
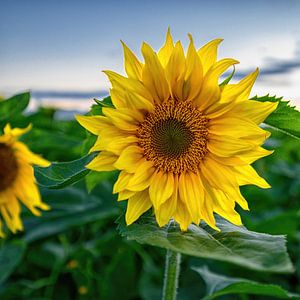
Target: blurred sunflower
{"x": 17, "y": 182}
{"x": 183, "y": 143}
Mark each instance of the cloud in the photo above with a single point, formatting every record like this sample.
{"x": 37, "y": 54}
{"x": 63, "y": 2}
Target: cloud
{"x": 276, "y": 66}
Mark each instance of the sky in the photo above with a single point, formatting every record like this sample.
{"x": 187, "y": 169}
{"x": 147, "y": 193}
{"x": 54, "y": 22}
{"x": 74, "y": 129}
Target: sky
{"x": 64, "y": 45}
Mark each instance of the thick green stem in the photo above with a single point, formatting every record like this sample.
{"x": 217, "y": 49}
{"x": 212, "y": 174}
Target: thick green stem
{"x": 172, "y": 270}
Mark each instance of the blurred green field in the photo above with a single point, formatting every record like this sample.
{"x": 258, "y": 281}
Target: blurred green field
{"x": 74, "y": 251}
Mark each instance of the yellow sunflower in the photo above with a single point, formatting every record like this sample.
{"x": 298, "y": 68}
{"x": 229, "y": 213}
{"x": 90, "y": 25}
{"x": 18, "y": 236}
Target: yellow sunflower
{"x": 17, "y": 182}
{"x": 183, "y": 143}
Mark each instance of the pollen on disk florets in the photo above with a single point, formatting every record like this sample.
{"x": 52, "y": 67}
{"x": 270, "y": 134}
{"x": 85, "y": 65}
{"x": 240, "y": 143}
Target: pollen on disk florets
{"x": 8, "y": 166}
{"x": 174, "y": 136}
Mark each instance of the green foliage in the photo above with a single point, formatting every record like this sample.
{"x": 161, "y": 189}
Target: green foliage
{"x": 234, "y": 244}
{"x": 96, "y": 109}
{"x": 60, "y": 175}
{"x": 219, "y": 285}
{"x": 76, "y": 243}
{"x": 95, "y": 178}
{"x": 285, "y": 118}
{"x": 11, "y": 255}
{"x": 11, "y": 108}
{"x": 75, "y": 208}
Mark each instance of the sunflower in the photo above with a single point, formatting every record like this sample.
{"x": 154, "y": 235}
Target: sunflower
{"x": 183, "y": 143}
{"x": 17, "y": 182}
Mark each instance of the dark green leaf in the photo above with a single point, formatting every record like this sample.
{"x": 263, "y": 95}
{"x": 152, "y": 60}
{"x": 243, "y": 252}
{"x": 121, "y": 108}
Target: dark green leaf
{"x": 13, "y": 106}
{"x": 234, "y": 244}
{"x": 60, "y": 175}
{"x": 218, "y": 285}
{"x": 285, "y": 118}
{"x": 288, "y": 220}
{"x": 94, "y": 178}
{"x": 71, "y": 207}
{"x": 11, "y": 254}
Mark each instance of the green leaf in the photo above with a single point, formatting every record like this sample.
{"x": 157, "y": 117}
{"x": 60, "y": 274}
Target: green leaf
{"x": 13, "y": 106}
{"x": 94, "y": 178}
{"x": 218, "y": 285}
{"x": 285, "y": 118}
{"x": 234, "y": 244}
{"x": 105, "y": 102}
{"x": 70, "y": 207}
{"x": 288, "y": 220}
{"x": 11, "y": 254}
{"x": 60, "y": 175}
{"x": 96, "y": 109}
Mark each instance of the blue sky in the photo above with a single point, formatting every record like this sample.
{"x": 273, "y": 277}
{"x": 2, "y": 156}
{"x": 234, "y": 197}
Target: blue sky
{"x": 64, "y": 45}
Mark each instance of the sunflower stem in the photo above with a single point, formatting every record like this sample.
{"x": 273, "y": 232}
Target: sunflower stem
{"x": 172, "y": 270}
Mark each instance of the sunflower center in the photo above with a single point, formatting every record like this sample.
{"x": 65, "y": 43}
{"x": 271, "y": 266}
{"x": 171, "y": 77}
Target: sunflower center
{"x": 174, "y": 136}
{"x": 171, "y": 137}
{"x": 8, "y": 166}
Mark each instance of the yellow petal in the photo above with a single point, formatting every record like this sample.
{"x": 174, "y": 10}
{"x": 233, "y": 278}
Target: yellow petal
{"x": 136, "y": 101}
{"x": 227, "y": 146}
{"x": 129, "y": 159}
{"x": 94, "y": 124}
{"x": 165, "y": 52}
{"x": 230, "y": 161}
{"x": 16, "y": 132}
{"x": 29, "y": 194}
{"x": 175, "y": 72}
{"x": 191, "y": 192}
{"x": 218, "y": 109}
{"x": 122, "y": 98}
{"x": 2, "y": 235}
{"x": 7, "y": 219}
{"x": 229, "y": 214}
{"x": 128, "y": 84}
{"x": 137, "y": 205}
{"x": 123, "y": 118}
{"x": 208, "y": 213}
{"x": 133, "y": 66}
{"x": 118, "y": 98}
{"x": 194, "y": 73}
{"x": 14, "y": 209}
{"x": 121, "y": 182}
{"x": 111, "y": 136}
{"x": 238, "y": 198}
{"x": 10, "y": 211}
{"x": 161, "y": 188}
{"x": 223, "y": 205}
{"x": 125, "y": 195}
{"x": 208, "y": 54}
{"x": 222, "y": 177}
{"x": 167, "y": 210}
{"x": 240, "y": 91}
{"x": 154, "y": 76}
{"x": 29, "y": 156}
{"x": 142, "y": 176}
{"x": 103, "y": 162}
{"x": 253, "y": 110}
{"x": 210, "y": 92}
{"x": 255, "y": 154}
{"x": 118, "y": 145}
{"x": 247, "y": 175}
{"x": 216, "y": 173}
{"x": 182, "y": 215}
{"x": 238, "y": 128}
